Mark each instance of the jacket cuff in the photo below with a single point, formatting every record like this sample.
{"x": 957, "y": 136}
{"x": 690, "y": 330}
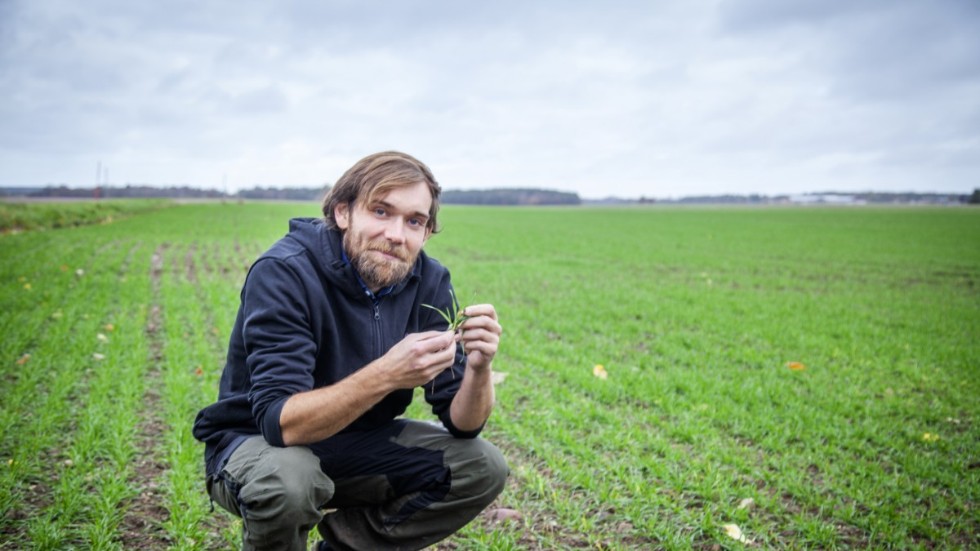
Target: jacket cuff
{"x": 447, "y": 422}
{"x": 269, "y": 425}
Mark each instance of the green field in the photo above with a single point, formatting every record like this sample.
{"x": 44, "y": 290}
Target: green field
{"x": 114, "y": 336}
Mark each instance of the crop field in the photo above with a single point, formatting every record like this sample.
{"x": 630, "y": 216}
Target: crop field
{"x": 707, "y": 378}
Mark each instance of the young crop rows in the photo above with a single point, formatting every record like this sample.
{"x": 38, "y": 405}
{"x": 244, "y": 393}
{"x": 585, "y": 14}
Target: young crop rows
{"x": 668, "y": 378}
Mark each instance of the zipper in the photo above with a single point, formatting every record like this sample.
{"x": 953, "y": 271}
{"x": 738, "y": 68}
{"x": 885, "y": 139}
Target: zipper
{"x": 378, "y": 334}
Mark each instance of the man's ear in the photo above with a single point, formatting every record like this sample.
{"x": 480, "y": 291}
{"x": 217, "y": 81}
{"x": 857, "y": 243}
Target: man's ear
{"x": 341, "y": 215}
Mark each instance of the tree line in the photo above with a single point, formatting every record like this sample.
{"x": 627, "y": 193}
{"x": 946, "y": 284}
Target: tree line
{"x": 498, "y": 196}
{"x": 526, "y": 196}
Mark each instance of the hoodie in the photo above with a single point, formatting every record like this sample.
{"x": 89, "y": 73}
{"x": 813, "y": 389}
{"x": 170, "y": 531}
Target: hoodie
{"x": 305, "y": 321}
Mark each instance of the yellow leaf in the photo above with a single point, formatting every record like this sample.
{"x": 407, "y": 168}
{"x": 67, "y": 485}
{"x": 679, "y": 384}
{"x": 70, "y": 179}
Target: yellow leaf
{"x": 27, "y": 286}
{"x": 929, "y": 437}
{"x": 600, "y": 371}
{"x": 98, "y": 357}
{"x": 23, "y": 359}
{"x": 795, "y": 366}
{"x": 734, "y": 532}
{"x": 109, "y": 327}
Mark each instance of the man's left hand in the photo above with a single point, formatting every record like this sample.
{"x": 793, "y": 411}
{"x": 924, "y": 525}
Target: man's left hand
{"x": 480, "y": 335}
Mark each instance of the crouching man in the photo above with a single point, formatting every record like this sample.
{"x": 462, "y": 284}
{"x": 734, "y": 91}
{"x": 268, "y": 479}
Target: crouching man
{"x": 330, "y": 340}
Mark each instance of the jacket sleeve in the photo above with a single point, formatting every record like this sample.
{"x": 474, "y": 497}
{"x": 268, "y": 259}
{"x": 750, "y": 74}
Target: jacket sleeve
{"x": 439, "y": 393}
{"x": 279, "y": 345}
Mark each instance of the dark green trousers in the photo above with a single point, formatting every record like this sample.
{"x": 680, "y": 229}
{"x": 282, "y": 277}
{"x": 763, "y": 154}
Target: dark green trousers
{"x": 406, "y": 485}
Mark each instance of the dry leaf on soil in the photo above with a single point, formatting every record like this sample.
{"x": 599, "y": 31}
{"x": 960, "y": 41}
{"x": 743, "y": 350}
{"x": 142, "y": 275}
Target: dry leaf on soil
{"x": 746, "y": 503}
{"x": 734, "y": 532}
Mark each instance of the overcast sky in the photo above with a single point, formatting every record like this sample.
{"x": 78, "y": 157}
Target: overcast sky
{"x": 662, "y": 99}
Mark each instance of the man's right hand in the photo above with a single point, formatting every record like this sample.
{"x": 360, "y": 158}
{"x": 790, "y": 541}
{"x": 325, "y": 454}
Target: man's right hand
{"x": 417, "y": 359}
{"x": 320, "y": 413}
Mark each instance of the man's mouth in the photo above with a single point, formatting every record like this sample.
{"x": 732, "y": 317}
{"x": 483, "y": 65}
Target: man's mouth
{"x": 388, "y": 254}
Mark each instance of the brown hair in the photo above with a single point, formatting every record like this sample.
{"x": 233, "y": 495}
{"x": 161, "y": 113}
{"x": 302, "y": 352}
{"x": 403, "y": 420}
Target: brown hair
{"x": 378, "y": 174}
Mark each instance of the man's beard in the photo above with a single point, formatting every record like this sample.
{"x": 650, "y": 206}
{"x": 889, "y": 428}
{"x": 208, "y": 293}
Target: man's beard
{"x": 377, "y": 272}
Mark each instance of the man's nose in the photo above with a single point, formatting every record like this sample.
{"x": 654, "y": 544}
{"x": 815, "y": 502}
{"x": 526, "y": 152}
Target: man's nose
{"x": 395, "y": 231}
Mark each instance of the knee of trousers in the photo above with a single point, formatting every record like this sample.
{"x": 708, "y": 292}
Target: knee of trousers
{"x": 478, "y": 469}
{"x": 288, "y": 484}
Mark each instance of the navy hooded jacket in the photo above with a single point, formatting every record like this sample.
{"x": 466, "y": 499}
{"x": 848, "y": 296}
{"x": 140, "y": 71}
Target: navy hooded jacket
{"x": 305, "y": 322}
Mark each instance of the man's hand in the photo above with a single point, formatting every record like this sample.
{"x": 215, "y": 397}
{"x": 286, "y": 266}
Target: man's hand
{"x": 320, "y": 413}
{"x": 417, "y": 359}
{"x": 480, "y": 335}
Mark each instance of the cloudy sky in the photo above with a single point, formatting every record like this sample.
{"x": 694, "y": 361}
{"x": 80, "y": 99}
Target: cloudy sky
{"x": 662, "y": 99}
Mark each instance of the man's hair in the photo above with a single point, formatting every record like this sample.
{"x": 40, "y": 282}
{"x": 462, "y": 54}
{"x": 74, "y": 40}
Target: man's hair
{"x": 376, "y": 175}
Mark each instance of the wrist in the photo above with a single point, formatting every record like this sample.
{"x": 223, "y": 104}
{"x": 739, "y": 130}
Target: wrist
{"x": 480, "y": 369}
{"x": 373, "y": 379}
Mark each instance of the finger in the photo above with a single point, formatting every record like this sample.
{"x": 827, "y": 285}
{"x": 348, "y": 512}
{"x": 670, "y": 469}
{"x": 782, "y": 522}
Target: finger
{"x": 444, "y": 354}
{"x": 480, "y": 310}
{"x": 434, "y": 341}
{"x": 488, "y": 349}
{"x": 479, "y": 334}
{"x": 478, "y": 358}
{"x": 487, "y": 345}
{"x": 428, "y": 335}
{"x": 438, "y": 366}
{"x": 483, "y": 322}
{"x": 431, "y": 365}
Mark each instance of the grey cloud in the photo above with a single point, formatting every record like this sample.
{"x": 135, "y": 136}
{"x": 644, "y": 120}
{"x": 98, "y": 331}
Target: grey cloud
{"x": 621, "y": 98}
{"x": 868, "y": 48}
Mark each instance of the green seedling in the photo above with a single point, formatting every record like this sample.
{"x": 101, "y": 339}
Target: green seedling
{"x": 452, "y": 314}
{"x": 454, "y": 318}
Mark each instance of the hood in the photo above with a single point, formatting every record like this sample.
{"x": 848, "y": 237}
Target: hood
{"x": 324, "y": 246}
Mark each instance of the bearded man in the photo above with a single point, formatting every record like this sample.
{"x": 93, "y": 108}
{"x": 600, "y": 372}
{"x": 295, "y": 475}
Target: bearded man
{"x": 330, "y": 340}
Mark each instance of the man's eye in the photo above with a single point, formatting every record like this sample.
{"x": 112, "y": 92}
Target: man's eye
{"x": 379, "y": 211}
{"x": 415, "y": 222}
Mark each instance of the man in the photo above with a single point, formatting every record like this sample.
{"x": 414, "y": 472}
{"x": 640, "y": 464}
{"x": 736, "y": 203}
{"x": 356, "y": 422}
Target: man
{"x": 330, "y": 340}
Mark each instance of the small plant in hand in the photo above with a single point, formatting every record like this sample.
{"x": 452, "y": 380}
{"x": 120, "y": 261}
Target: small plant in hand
{"x": 452, "y": 314}
{"x": 454, "y": 318}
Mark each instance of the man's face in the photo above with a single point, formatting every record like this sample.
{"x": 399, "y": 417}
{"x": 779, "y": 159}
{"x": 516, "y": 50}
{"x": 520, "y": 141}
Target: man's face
{"x": 383, "y": 238}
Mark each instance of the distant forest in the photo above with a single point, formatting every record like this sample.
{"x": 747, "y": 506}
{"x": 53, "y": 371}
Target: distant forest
{"x": 509, "y": 197}
{"x": 169, "y": 192}
{"x": 499, "y": 196}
